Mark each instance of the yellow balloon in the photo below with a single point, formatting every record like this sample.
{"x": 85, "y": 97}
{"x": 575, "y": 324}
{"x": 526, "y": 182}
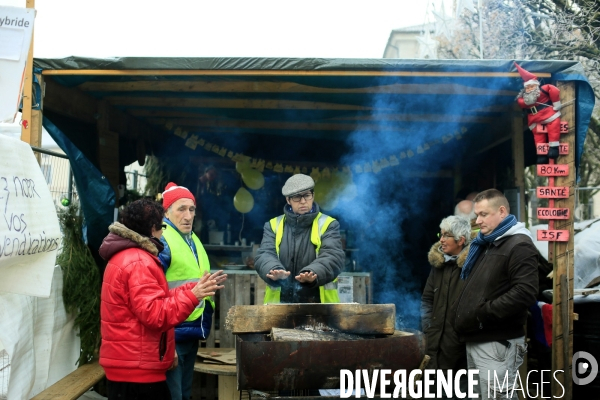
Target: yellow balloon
{"x": 253, "y": 179}
{"x": 325, "y": 194}
{"x": 241, "y": 166}
{"x": 243, "y": 201}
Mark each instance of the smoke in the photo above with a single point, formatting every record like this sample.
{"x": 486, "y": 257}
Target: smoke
{"x": 397, "y": 207}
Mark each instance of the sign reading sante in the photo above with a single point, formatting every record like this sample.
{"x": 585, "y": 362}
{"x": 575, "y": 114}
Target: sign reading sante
{"x": 16, "y": 28}
{"x": 29, "y": 231}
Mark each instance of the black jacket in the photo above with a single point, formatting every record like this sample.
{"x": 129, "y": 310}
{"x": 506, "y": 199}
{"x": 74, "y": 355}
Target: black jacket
{"x": 442, "y": 289}
{"x": 500, "y": 288}
{"x": 297, "y": 254}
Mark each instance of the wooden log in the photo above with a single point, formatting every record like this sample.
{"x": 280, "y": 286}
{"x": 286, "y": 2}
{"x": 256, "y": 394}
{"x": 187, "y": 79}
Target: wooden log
{"x": 301, "y": 335}
{"x": 365, "y": 319}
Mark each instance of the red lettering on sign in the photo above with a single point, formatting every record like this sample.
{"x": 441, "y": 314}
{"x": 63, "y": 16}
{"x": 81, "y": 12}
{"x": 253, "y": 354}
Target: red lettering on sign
{"x": 547, "y": 235}
{"x": 553, "y": 170}
{"x": 552, "y": 213}
{"x": 557, "y": 192}
{"x": 542, "y": 148}
{"x": 564, "y": 127}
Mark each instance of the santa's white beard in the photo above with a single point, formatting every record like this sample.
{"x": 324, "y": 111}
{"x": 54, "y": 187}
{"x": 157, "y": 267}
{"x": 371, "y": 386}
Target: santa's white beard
{"x": 531, "y": 97}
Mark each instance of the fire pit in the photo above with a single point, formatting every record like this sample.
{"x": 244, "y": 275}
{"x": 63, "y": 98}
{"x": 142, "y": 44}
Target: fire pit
{"x": 367, "y": 341}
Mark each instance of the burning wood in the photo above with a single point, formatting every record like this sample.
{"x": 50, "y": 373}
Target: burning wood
{"x": 303, "y": 335}
{"x": 361, "y": 319}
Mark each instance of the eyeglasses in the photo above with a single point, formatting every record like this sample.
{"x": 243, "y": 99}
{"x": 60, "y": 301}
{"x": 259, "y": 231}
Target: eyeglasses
{"x": 445, "y": 235}
{"x": 306, "y": 196}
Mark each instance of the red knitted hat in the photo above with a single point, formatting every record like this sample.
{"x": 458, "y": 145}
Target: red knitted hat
{"x": 528, "y": 77}
{"x": 173, "y": 193}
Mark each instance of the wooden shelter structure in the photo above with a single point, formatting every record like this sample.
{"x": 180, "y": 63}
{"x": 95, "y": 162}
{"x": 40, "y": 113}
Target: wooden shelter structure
{"x": 373, "y": 117}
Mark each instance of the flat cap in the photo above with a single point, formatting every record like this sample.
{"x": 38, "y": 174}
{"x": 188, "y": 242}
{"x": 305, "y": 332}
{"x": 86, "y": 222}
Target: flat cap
{"x": 296, "y": 184}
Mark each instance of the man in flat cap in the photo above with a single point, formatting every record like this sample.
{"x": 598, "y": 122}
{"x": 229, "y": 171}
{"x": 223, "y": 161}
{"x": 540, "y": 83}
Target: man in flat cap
{"x": 301, "y": 253}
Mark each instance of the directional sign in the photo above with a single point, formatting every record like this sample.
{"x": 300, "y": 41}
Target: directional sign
{"x": 553, "y": 170}
{"x": 552, "y": 213}
{"x": 542, "y": 148}
{"x": 552, "y": 192}
{"x": 547, "y": 235}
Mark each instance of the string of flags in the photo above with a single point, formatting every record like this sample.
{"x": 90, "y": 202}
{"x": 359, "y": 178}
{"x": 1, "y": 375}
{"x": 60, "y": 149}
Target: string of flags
{"x": 193, "y": 141}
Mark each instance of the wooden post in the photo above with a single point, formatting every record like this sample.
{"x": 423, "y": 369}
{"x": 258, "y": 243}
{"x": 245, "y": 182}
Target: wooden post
{"x": 518, "y": 152}
{"x": 108, "y": 147}
{"x": 30, "y": 132}
{"x": 563, "y": 259}
{"x": 519, "y": 160}
{"x": 227, "y": 300}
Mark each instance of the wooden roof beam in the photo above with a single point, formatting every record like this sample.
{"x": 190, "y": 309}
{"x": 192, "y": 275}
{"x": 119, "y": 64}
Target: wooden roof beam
{"x": 291, "y": 125}
{"x": 285, "y": 87}
{"x": 73, "y": 103}
{"x": 178, "y": 102}
{"x": 377, "y": 119}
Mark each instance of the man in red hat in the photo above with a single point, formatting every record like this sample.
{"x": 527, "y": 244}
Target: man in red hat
{"x": 542, "y": 105}
{"x": 184, "y": 260}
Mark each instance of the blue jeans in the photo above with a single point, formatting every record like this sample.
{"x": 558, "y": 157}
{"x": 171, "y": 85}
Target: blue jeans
{"x": 180, "y": 379}
{"x": 496, "y": 361}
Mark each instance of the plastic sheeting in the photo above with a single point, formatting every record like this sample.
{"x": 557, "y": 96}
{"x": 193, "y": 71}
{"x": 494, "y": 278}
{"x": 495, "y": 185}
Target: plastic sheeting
{"x": 425, "y": 72}
{"x": 95, "y": 193}
{"x": 587, "y": 255}
{"x": 40, "y": 340}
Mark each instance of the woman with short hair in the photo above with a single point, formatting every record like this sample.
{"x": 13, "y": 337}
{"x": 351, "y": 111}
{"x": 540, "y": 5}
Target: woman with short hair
{"x": 443, "y": 287}
{"x": 137, "y": 310}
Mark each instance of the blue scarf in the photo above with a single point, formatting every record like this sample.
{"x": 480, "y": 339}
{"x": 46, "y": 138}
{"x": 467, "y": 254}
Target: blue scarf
{"x": 481, "y": 240}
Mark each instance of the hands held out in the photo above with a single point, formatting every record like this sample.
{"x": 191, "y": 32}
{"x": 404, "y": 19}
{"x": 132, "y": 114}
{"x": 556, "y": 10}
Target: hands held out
{"x": 304, "y": 277}
{"x": 277, "y": 274}
{"x": 209, "y": 284}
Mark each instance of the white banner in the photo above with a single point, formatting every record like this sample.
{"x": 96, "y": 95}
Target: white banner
{"x": 16, "y": 28}
{"x": 39, "y": 339}
{"x": 29, "y": 230}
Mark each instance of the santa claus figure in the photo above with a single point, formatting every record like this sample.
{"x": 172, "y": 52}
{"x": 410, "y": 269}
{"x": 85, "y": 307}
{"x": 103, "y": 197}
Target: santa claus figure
{"x": 542, "y": 105}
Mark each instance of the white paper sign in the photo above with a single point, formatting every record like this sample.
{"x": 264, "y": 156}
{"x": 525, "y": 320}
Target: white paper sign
{"x": 29, "y": 231}
{"x": 346, "y": 288}
{"x": 16, "y": 29}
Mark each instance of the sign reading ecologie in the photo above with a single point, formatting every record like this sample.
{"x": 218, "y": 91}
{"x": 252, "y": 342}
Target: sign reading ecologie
{"x": 29, "y": 230}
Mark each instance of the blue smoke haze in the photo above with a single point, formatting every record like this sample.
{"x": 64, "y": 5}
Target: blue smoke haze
{"x": 398, "y": 207}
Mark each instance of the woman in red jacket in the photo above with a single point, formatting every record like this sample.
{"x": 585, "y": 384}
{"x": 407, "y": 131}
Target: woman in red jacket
{"x": 138, "y": 311}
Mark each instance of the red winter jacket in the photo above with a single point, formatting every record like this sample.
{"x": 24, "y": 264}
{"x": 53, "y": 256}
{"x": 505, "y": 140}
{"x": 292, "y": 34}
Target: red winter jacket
{"x": 137, "y": 310}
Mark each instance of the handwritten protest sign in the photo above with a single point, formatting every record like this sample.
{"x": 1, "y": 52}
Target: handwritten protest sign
{"x": 16, "y": 28}
{"x": 29, "y": 231}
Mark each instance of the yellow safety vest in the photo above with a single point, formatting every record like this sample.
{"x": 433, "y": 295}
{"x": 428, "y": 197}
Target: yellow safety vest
{"x": 328, "y": 292}
{"x": 184, "y": 268}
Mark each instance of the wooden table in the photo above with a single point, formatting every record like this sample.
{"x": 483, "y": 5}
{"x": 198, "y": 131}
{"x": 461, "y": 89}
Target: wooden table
{"x": 227, "y": 374}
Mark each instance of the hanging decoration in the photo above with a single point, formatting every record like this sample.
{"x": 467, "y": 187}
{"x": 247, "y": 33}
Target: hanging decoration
{"x": 245, "y": 162}
{"x": 243, "y": 201}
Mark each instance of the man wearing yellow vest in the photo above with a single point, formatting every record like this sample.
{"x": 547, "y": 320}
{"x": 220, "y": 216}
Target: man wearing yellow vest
{"x": 301, "y": 253}
{"x": 185, "y": 260}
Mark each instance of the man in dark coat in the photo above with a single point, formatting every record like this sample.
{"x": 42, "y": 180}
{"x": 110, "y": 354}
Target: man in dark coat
{"x": 501, "y": 282}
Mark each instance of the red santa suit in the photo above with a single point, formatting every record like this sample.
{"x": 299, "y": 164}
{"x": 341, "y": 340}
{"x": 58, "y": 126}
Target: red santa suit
{"x": 545, "y": 111}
